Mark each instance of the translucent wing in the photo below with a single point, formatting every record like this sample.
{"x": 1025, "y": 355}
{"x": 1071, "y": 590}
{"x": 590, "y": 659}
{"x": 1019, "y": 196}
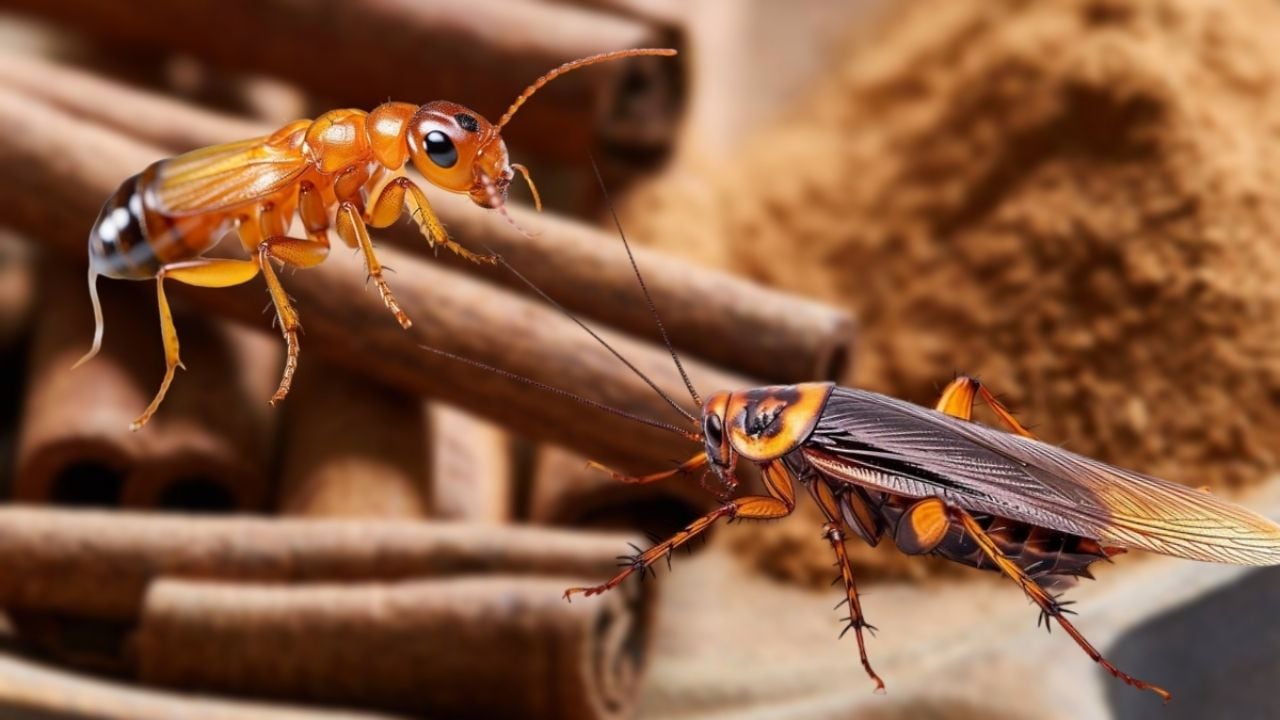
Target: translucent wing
{"x": 223, "y": 176}
{"x": 887, "y": 444}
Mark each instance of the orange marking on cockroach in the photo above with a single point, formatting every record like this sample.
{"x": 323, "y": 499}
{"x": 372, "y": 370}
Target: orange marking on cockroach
{"x": 161, "y": 222}
{"x": 938, "y": 483}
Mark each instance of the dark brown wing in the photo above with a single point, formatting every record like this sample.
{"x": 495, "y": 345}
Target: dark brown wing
{"x": 223, "y": 176}
{"x": 888, "y": 444}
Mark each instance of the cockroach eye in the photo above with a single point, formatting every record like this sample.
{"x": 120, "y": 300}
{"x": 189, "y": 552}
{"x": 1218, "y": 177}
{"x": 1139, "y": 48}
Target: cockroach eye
{"x": 713, "y": 431}
{"x": 440, "y": 149}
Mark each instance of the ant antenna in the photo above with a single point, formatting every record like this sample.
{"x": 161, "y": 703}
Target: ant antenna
{"x": 657, "y": 319}
{"x": 564, "y": 393}
{"x": 596, "y": 336}
{"x": 574, "y": 65}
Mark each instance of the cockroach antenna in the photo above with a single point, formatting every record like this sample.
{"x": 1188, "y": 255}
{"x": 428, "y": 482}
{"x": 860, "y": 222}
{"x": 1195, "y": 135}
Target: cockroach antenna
{"x": 587, "y": 328}
{"x": 644, "y": 288}
{"x": 564, "y": 393}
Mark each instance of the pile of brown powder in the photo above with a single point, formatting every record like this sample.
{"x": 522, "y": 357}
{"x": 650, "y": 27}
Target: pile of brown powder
{"x": 1076, "y": 200}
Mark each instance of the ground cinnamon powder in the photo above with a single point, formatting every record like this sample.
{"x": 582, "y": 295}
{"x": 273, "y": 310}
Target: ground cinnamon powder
{"x": 1077, "y": 200}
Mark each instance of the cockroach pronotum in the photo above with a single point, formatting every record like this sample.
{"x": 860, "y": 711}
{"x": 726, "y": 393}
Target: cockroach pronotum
{"x": 160, "y": 222}
{"x": 937, "y": 483}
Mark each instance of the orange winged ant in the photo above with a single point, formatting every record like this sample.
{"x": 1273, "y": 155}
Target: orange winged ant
{"x": 934, "y": 481}
{"x": 160, "y": 223}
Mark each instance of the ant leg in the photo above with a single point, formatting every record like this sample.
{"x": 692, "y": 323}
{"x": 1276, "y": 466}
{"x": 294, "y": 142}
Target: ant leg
{"x": 757, "y": 507}
{"x": 203, "y": 273}
{"x": 958, "y": 398}
{"x": 299, "y": 253}
{"x": 693, "y": 463}
{"x": 351, "y": 229}
{"x": 1048, "y": 604}
{"x": 402, "y": 192}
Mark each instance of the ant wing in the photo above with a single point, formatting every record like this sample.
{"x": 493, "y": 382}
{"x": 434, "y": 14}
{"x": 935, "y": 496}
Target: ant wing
{"x": 891, "y": 445}
{"x": 221, "y": 177}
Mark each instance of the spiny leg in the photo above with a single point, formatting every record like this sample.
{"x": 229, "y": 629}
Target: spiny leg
{"x": 299, "y": 253}
{"x": 758, "y": 507}
{"x": 958, "y": 398}
{"x": 1047, "y": 603}
{"x": 352, "y": 230}
{"x": 401, "y": 193}
{"x": 835, "y": 535}
{"x": 833, "y": 531}
{"x": 202, "y": 273}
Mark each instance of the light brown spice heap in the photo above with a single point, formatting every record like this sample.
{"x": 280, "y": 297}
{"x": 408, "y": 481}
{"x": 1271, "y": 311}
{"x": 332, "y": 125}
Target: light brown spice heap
{"x": 1078, "y": 201}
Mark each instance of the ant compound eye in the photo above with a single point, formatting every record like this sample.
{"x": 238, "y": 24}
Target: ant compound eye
{"x": 440, "y": 149}
{"x": 713, "y": 431}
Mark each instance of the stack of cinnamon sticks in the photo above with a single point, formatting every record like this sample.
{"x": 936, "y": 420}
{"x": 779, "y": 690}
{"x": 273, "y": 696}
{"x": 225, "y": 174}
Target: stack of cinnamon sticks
{"x": 372, "y": 562}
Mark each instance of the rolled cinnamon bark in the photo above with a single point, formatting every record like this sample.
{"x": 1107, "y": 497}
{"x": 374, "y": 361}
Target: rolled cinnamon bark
{"x": 98, "y": 564}
{"x": 737, "y": 324}
{"x": 17, "y": 288}
{"x": 152, "y": 117}
{"x": 480, "y": 53}
{"x": 567, "y": 493}
{"x": 471, "y": 467}
{"x": 208, "y": 453}
{"x": 31, "y": 692}
{"x": 494, "y": 647}
{"x": 54, "y": 177}
{"x": 65, "y": 455}
{"x": 353, "y": 448}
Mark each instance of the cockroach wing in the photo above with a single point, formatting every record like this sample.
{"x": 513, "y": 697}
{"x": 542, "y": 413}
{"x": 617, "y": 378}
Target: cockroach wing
{"x": 891, "y": 445}
{"x": 223, "y": 176}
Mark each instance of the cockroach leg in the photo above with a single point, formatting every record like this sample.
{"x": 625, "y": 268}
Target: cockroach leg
{"x": 958, "y": 398}
{"x": 755, "y": 507}
{"x": 203, "y": 273}
{"x": 401, "y": 193}
{"x": 835, "y": 535}
{"x": 1049, "y": 605}
{"x": 351, "y": 229}
{"x": 299, "y": 253}
{"x": 833, "y": 531}
{"x": 693, "y": 463}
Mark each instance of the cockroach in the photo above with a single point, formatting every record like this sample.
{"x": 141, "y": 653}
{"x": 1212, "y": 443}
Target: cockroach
{"x": 162, "y": 221}
{"x": 937, "y": 483}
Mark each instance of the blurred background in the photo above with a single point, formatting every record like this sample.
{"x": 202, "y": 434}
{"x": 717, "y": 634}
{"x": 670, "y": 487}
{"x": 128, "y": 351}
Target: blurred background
{"x": 1073, "y": 199}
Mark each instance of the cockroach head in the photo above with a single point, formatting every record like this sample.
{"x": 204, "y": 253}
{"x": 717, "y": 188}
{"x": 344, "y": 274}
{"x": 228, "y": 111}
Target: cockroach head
{"x": 766, "y": 423}
{"x": 458, "y": 150}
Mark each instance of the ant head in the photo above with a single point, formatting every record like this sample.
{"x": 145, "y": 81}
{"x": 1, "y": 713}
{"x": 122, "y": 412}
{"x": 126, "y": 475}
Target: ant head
{"x": 458, "y": 150}
{"x": 767, "y": 423}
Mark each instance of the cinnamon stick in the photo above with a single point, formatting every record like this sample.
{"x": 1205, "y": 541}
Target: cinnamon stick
{"x": 99, "y": 564}
{"x": 156, "y": 118}
{"x": 494, "y": 647}
{"x": 74, "y": 447}
{"x": 480, "y": 53}
{"x": 471, "y": 467}
{"x": 17, "y": 288}
{"x": 31, "y": 692}
{"x": 353, "y": 448}
{"x": 734, "y": 323}
{"x": 54, "y": 170}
